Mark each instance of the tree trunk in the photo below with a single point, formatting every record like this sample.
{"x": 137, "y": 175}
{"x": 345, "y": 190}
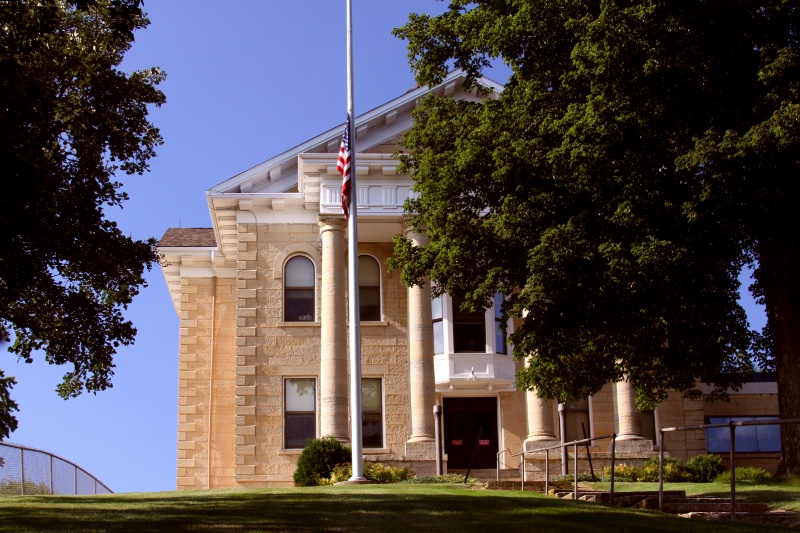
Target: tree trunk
{"x": 779, "y": 265}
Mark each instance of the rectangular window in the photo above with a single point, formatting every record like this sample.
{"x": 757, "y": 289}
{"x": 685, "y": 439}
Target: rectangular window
{"x": 299, "y": 305}
{"x": 576, "y": 418}
{"x": 438, "y": 325}
{"x": 499, "y": 336}
{"x": 369, "y": 289}
{"x": 469, "y": 329}
{"x": 765, "y": 438}
{"x": 649, "y": 429}
{"x": 371, "y": 413}
{"x": 300, "y": 411}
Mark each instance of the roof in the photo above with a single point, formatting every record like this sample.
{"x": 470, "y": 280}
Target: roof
{"x": 188, "y": 238}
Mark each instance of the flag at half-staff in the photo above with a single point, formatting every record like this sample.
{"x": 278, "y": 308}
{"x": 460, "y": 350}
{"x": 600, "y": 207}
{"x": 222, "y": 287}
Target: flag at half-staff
{"x": 343, "y": 166}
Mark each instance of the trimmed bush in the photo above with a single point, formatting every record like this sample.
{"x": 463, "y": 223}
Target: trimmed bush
{"x": 622, "y": 472}
{"x": 318, "y": 460}
{"x": 746, "y": 474}
{"x": 674, "y": 471}
{"x": 570, "y": 478}
{"x": 705, "y": 468}
{"x": 446, "y": 478}
{"x": 377, "y": 472}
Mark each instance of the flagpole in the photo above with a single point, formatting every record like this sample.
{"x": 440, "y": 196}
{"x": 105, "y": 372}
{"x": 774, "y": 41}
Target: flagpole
{"x": 352, "y": 262}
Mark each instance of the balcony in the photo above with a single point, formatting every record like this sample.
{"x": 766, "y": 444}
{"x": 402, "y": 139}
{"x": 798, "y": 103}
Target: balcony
{"x": 474, "y": 372}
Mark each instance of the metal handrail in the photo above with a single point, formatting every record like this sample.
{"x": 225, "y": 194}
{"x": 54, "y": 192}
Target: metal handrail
{"x": 732, "y": 425}
{"x": 563, "y": 446}
{"x": 498, "y": 462}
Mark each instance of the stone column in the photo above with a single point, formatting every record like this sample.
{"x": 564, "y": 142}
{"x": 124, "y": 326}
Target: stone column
{"x": 333, "y": 332}
{"x": 541, "y": 426}
{"x": 422, "y": 387}
{"x": 629, "y": 420}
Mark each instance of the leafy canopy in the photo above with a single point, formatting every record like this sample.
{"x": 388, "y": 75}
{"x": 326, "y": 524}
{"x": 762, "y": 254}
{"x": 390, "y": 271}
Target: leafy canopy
{"x": 69, "y": 121}
{"x": 639, "y": 156}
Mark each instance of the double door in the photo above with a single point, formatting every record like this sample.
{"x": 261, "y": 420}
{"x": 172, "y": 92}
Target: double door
{"x": 470, "y": 432}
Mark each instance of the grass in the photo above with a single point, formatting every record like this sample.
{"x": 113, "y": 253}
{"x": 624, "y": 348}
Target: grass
{"x": 777, "y": 494}
{"x": 404, "y": 508}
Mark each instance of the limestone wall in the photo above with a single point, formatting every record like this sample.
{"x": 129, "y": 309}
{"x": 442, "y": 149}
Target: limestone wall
{"x": 198, "y": 407}
{"x": 268, "y": 350}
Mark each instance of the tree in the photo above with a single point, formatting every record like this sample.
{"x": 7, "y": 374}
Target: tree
{"x": 69, "y": 120}
{"x": 641, "y": 154}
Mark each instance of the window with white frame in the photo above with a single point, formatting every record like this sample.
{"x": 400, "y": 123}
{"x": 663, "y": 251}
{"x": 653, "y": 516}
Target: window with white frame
{"x": 369, "y": 288}
{"x": 299, "y": 411}
{"x": 371, "y": 413}
{"x": 459, "y": 331}
{"x": 469, "y": 329}
{"x": 298, "y": 290}
{"x": 438, "y": 325}
{"x": 576, "y": 420}
{"x": 500, "y": 341}
{"x": 649, "y": 426}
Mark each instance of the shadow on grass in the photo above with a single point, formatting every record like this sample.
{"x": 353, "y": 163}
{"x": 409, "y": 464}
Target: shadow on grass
{"x": 365, "y": 508}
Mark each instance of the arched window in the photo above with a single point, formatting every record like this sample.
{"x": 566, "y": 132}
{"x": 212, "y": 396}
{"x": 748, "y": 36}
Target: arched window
{"x": 369, "y": 288}
{"x": 298, "y": 290}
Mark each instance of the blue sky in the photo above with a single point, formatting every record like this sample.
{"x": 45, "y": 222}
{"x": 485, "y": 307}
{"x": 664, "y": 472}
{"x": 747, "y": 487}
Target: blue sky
{"x": 246, "y": 80}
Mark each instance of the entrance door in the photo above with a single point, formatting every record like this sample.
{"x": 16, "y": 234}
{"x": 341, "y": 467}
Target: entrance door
{"x": 463, "y": 419}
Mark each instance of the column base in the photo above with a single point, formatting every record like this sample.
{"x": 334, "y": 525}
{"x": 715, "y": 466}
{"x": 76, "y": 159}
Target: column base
{"x": 633, "y": 444}
{"x": 356, "y": 481}
{"x": 421, "y": 450}
{"x": 539, "y": 443}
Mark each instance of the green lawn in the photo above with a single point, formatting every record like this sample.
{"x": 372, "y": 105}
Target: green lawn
{"x": 778, "y": 495}
{"x": 406, "y": 508}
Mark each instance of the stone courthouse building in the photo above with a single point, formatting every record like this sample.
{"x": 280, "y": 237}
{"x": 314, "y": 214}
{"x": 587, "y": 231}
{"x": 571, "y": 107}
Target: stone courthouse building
{"x": 263, "y": 362}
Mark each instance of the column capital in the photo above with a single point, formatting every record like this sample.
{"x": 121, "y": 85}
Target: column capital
{"x": 418, "y": 237}
{"x": 332, "y": 224}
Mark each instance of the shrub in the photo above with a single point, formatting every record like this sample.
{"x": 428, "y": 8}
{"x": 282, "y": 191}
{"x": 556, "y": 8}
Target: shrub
{"x": 318, "y": 460}
{"x": 746, "y": 474}
{"x": 446, "y": 478}
{"x": 570, "y": 478}
{"x": 377, "y": 472}
{"x": 674, "y": 471}
{"x": 705, "y": 468}
{"x": 622, "y": 472}
{"x": 387, "y": 474}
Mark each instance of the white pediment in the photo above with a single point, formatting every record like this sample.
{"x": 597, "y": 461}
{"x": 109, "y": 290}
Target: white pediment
{"x": 302, "y": 183}
{"x": 380, "y": 127}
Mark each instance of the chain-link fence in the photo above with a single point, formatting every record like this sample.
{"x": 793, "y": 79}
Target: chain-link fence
{"x": 28, "y": 471}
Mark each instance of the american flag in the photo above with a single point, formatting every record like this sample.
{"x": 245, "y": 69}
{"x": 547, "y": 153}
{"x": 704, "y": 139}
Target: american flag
{"x": 343, "y": 166}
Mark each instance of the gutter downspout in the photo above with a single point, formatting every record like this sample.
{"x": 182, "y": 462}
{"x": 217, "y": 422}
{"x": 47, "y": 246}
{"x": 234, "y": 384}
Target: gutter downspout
{"x": 211, "y": 369}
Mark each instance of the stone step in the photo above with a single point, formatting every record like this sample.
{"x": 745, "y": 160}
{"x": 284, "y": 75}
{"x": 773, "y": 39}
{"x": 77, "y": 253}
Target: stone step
{"x": 652, "y": 503}
{"x": 771, "y": 518}
{"x": 488, "y": 474}
{"x": 535, "y": 486}
{"x": 625, "y": 498}
{"x": 705, "y": 505}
